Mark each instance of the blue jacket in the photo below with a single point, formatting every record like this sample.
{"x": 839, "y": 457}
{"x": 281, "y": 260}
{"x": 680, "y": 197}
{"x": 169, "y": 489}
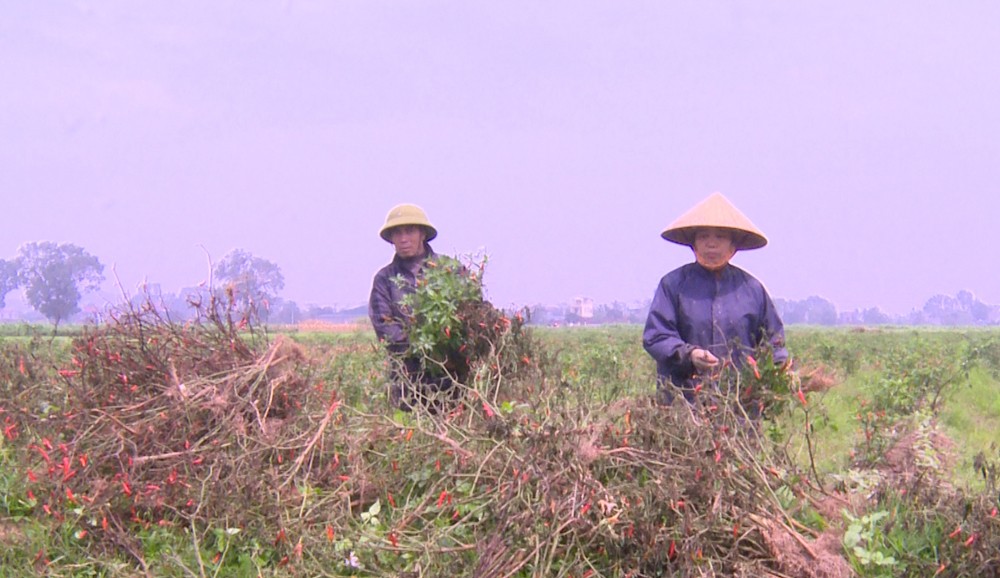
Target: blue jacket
{"x": 728, "y": 313}
{"x": 384, "y": 305}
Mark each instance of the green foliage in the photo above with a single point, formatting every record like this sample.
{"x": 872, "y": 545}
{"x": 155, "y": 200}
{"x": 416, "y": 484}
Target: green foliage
{"x": 437, "y": 332}
{"x": 865, "y": 543}
{"x": 765, "y": 385}
{"x": 603, "y": 366}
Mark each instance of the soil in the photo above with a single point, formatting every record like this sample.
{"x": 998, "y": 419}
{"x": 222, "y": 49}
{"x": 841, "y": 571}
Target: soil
{"x": 899, "y": 466}
{"x": 823, "y": 559}
{"x": 10, "y": 533}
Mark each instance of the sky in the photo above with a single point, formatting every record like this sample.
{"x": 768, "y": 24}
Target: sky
{"x": 557, "y": 138}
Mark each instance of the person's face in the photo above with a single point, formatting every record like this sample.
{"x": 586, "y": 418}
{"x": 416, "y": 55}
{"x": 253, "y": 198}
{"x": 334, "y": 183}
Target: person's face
{"x": 408, "y": 240}
{"x": 713, "y": 248}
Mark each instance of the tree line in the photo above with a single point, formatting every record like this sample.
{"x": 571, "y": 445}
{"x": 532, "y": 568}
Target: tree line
{"x": 961, "y": 309}
{"x": 54, "y": 278}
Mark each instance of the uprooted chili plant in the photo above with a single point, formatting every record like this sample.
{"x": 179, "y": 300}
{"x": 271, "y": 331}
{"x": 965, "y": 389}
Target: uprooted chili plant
{"x": 208, "y": 448}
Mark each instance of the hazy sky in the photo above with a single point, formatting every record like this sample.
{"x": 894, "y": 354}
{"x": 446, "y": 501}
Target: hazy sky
{"x": 559, "y": 137}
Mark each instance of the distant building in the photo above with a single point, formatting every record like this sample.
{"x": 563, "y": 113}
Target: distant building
{"x": 583, "y": 307}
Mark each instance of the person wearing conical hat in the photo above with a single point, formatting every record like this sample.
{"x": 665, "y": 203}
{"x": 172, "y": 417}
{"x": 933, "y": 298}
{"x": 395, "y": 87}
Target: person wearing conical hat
{"x": 410, "y": 232}
{"x": 709, "y": 311}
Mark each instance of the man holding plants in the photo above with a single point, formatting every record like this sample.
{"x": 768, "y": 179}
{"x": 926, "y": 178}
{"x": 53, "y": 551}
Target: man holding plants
{"x": 710, "y": 312}
{"x": 410, "y": 232}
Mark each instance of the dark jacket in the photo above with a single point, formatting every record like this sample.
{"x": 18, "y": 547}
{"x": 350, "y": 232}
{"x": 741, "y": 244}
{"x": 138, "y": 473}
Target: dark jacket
{"x": 728, "y": 313}
{"x": 384, "y": 305}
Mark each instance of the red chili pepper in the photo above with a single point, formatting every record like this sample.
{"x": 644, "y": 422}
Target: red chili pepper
{"x": 672, "y": 551}
{"x": 955, "y": 532}
{"x": 392, "y": 538}
{"x": 802, "y": 397}
{"x": 329, "y": 533}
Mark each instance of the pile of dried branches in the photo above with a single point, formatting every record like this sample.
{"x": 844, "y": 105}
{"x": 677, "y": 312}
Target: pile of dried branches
{"x": 209, "y": 425}
{"x": 158, "y": 423}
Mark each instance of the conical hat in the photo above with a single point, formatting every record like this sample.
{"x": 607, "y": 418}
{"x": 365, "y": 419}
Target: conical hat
{"x": 715, "y": 211}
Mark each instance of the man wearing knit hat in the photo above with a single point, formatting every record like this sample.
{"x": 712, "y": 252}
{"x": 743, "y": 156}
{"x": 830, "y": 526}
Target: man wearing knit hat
{"x": 410, "y": 232}
{"x": 708, "y": 311}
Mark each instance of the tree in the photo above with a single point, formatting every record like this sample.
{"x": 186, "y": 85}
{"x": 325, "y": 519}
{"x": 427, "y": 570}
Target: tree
{"x": 874, "y": 316}
{"x": 8, "y": 280}
{"x": 254, "y": 281}
{"x": 54, "y": 275}
{"x": 946, "y": 310}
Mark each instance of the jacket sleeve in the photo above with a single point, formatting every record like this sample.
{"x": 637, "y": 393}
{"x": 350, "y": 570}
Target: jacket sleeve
{"x": 660, "y": 337}
{"x": 774, "y": 330}
{"x": 385, "y": 315}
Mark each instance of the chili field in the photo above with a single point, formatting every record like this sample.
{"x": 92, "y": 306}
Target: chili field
{"x": 219, "y": 448}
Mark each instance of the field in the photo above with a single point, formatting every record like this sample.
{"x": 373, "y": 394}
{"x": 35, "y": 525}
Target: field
{"x": 221, "y": 449}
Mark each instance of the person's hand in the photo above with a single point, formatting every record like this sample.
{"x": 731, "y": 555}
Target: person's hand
{"x": 703, "y": 360}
